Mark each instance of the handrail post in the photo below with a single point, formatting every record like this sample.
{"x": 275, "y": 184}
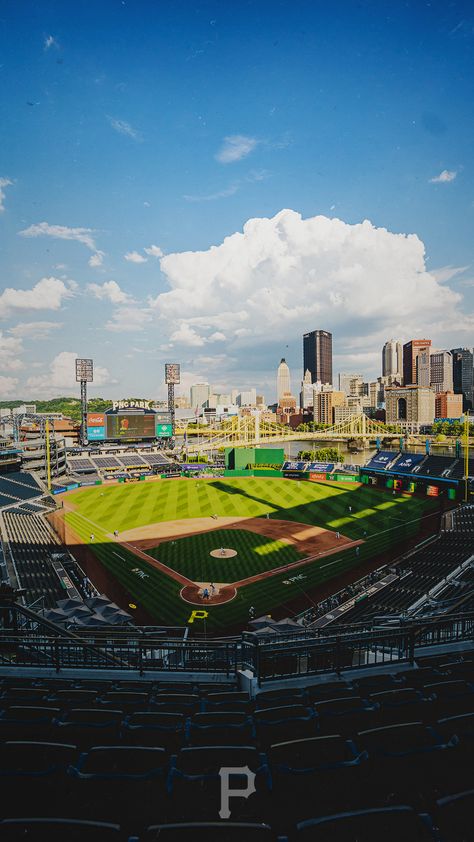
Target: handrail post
{"x": 56, "y": 654}
{"x": 337, "y": 658}
{"x": 411, "y": 646}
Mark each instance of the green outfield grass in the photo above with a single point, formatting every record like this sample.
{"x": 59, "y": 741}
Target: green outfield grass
{"x": 255, "y": 554}
{"x": 386, "y": 521}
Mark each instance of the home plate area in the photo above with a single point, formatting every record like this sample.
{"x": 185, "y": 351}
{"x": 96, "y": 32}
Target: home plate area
{"x": 208, "y": 593}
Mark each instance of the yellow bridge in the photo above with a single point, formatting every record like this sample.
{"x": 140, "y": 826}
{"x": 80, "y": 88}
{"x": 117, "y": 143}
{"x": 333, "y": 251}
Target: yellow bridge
{"x": 251, "y": 430}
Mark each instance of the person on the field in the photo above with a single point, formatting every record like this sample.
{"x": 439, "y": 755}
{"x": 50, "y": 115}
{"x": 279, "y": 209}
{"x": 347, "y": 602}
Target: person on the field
{"x": 338, "y": 535}
{"x": 92, "y": 537}
{"x": 205, "y": 593}
{"x": 213, "y": 588}
{"x": 222, "y": 551}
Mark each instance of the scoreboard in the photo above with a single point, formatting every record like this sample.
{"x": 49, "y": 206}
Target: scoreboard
{"x": 127, "y": 426}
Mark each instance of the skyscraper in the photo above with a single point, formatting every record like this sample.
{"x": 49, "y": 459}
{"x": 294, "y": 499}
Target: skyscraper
{"x": 416, "y": 371}
{"x": 441, "y": 371}
{"x": 199, "y": 395}
{"x": 317, "y": 355}
{"x": 283, "y": 380}
{"x": 392, "y": 359}
{"x": 463, "y": 375}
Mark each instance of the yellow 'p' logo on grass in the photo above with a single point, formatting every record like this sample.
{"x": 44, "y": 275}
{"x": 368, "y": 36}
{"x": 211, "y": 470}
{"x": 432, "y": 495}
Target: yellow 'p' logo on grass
{"x": 198, "y": 615}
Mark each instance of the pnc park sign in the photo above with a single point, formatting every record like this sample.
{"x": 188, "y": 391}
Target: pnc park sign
{"x": 132, "y": 404}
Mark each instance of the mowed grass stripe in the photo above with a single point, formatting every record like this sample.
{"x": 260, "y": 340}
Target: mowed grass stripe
{"x": 126, "y": 506}
{"x": 255, "y": 554}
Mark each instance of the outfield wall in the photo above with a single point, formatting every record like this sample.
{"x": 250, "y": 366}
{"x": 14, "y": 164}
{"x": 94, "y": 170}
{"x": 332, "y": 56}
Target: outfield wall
{"x": 253, "y": 472}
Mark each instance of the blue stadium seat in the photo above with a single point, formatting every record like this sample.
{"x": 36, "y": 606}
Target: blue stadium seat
{"x": 453, "y": 816}
{"x": 288, "y": 722}
{"x": 346, "y": 715}
{"x": 390, "y": 824}
{"x": 410, "y": 760}
{"x": 149, "y": 728}
{"x": 34, "y": 774}
{"x": 122, "y": 784}
{"x": 25, "y": 722}
{"x": 87, "y": 727}
{"x": 194, "y": 783}
{"x": 313, "y": 777}
{"x": 58, "y": 830}
{"x": 205, "y": 729}
{"x": 210, "y": 832}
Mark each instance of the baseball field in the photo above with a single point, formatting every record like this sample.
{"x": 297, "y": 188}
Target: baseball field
{"x": 230, "y": 545}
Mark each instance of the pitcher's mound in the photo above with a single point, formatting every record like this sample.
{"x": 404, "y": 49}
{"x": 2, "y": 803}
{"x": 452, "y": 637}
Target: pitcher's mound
{"x": 223, "y": 553}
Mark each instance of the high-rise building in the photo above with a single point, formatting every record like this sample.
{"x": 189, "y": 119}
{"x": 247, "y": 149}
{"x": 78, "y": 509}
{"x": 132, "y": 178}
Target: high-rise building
{"x": 416, "y": 372}
{"x": 348, "y": 383}
{"x": 463, "y": 375}
{"x": 283, "y": 379}
{"x": 199, "y": 395}
{"x": 448, "y": 405}
{"x": 247, "y": 397}
{"x": 392, "y": 359}
{"x": 409, "y": 405}
{"x": 441, "y": 363}
{"x": 317, "y": 355}
{"x": 324, "y": 404}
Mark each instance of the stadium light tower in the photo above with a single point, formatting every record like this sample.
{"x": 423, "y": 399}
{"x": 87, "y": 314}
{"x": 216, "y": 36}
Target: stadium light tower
{"x": 172, "y": 378}
{"x": 84, "y": 375}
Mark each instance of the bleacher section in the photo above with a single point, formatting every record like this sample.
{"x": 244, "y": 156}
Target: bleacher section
{"x": 117, "y": 463}
{"x": 417, "y": 575}
{"x": 382, "y": 757}
{"x": 462, "y": 520}
{"x": 31, "y": 544}
{"x": 419, "y": 464}
{"x": 407, "y": 463}
{"x": 382, "y": 460}
{"x": 436, "y": 466}
{"x": 16, "y": 487}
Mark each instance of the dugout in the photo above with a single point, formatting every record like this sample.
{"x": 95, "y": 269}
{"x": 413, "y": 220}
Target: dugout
{"x": 244, "y": 458}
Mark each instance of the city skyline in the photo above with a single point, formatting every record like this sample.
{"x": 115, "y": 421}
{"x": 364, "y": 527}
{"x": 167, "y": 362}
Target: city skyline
{"x": 165, "y": 194}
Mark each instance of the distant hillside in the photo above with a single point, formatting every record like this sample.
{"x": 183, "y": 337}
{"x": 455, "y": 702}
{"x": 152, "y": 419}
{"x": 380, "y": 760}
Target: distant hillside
{"x": 70, "y": 407}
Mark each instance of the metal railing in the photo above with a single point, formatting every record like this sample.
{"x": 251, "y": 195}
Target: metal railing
{"x": 269, "y": 659}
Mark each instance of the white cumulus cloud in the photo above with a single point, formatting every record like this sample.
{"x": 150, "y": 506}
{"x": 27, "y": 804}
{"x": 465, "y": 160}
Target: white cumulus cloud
{"x": 47, "y": 294}
{"x": 109, "y": 291}
{"x": 129, "y": 319}
{"x": 34, "y": 330}
{"x": 8, "y": 387}
{"x": 235, "y": 147}
{"x": 153, "y": 251}
{"x": 11, "y": 348}
{"x": 61, "y": 376}
{"x": 96, "y": 259}
{"x": 4, "y": 182}
{"x": 283, "y": 276}
{"x": 135, "y": 257}
{"x": 61, "y": 232}
{"x": 444, "y": 177}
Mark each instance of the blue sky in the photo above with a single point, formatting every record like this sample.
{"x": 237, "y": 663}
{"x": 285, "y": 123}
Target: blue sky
{"x": 132, "y": 125}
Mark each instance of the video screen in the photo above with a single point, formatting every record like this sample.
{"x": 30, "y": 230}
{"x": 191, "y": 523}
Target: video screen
{"x": 127, "y": 426}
